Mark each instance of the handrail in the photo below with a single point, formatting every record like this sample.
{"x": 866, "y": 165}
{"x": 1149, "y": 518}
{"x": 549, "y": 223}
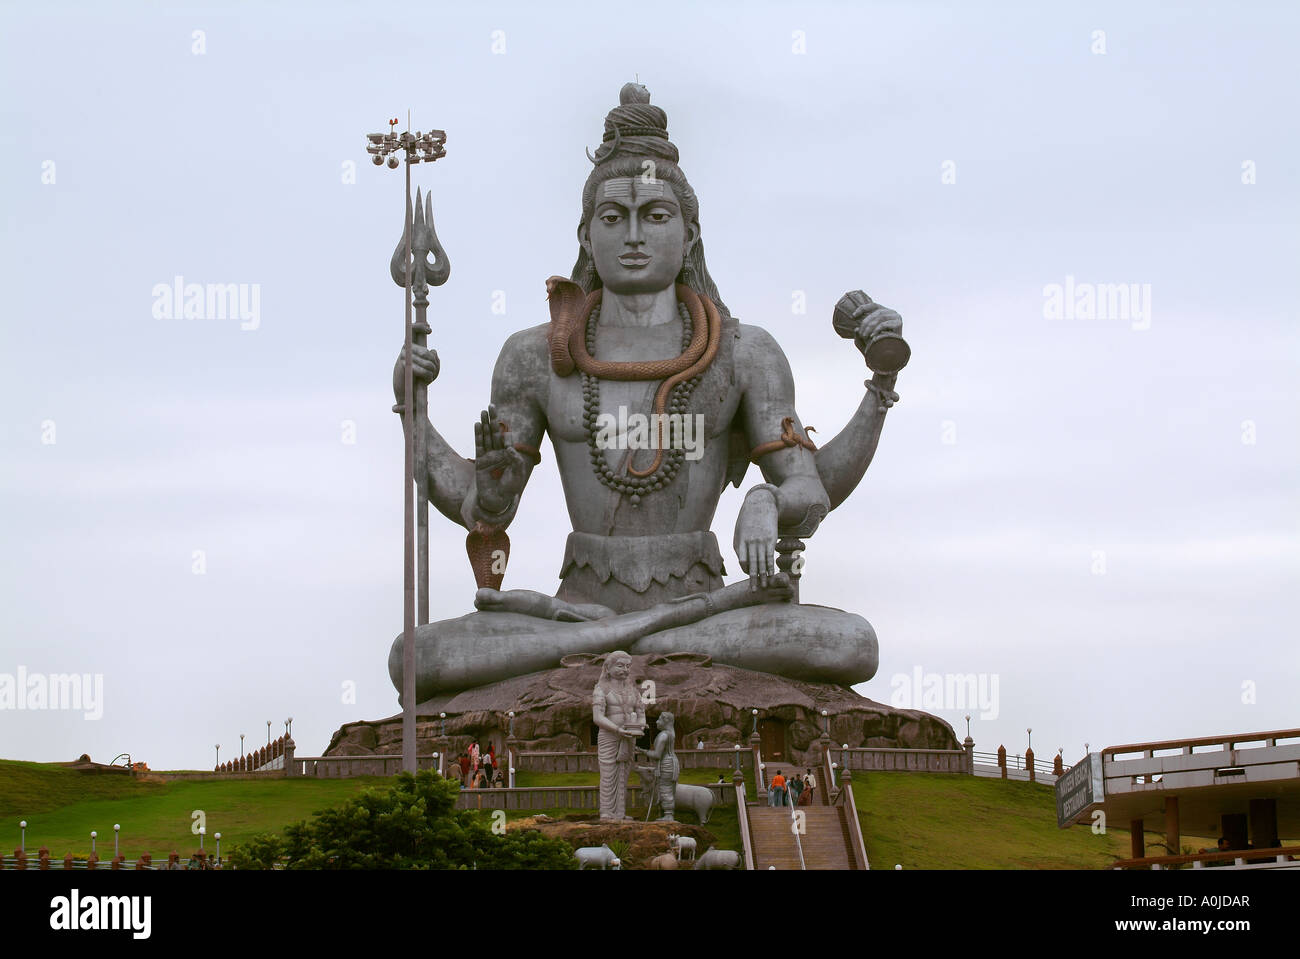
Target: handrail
{"x": 828, "y": 774}
{"x": 742, "y": 815}
{"x": 1228, "y": 741}
{"x": 798, "y": 843}
{"x": 1233, "y": 854}
{"x": 849, "y": 806}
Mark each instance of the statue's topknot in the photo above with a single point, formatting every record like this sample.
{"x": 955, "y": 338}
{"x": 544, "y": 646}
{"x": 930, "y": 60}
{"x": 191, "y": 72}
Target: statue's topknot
{"x": 634, "y": 127}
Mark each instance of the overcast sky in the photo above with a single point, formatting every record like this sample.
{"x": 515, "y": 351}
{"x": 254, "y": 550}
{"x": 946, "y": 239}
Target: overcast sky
{"x": 1101, "y": 512}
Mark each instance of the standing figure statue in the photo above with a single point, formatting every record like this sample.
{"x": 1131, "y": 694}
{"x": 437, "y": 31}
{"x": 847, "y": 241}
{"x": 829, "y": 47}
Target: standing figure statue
{"x": 654, "y": 398}
{"x": 666, "y": 769}
{"x": 617, "y": 711}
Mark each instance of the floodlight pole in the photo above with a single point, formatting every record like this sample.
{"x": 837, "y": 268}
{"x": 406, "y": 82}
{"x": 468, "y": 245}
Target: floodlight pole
{"x": 417, "y": 242}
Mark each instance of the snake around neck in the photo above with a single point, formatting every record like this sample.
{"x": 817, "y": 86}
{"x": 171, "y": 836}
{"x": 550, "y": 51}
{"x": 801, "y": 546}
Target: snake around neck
{"x": 574, "y": 318}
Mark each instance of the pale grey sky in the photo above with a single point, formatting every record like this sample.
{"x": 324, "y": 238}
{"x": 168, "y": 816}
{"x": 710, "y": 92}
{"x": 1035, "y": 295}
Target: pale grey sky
{"x": 1024, "y": 448}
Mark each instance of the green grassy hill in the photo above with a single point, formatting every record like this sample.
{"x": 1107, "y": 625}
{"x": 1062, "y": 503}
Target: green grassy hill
{"x": 63, "y": 805}
{"x": 919, "y": 820}
{"x": 937, "y": 821}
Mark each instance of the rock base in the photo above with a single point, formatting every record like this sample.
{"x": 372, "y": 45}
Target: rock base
{"x": 709, "y": 701}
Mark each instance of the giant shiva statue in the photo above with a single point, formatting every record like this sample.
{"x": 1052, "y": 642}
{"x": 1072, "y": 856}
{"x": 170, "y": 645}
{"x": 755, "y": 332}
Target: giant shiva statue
{"x": 654, "y": 398}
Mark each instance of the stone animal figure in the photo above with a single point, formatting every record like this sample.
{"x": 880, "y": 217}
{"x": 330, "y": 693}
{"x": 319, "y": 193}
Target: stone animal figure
{"x": 719, "y": 859}
{"x": 664, "y": 861}
{"x": 602, "y": 857}
{"x": 698, "y": 799}
{"x": 682, "y": 844}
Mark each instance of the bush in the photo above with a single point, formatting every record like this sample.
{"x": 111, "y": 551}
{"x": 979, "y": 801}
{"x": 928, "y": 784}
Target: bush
{"x": 413, "y": 824}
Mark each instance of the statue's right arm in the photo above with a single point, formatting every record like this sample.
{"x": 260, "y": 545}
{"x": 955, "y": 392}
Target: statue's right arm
{"x": 520, "y": 382}
{"x": 450, "y": 474}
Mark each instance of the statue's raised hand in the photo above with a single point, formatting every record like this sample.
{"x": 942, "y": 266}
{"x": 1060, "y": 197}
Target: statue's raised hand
{"x": 876, "y": 330}
{"x": 500, "y": 469}
{"x": 424, "y": 369}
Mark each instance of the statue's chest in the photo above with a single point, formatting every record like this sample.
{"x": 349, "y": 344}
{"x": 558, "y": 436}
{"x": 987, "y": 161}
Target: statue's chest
{"x": 714, "y": 397}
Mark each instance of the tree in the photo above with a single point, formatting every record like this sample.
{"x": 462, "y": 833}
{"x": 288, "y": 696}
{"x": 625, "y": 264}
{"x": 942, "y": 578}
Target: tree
{"x": 412, "y": 824}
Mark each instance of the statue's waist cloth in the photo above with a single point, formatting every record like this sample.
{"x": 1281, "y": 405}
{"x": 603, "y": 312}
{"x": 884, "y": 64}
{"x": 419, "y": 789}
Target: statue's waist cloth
{"x": 627, "y": 573}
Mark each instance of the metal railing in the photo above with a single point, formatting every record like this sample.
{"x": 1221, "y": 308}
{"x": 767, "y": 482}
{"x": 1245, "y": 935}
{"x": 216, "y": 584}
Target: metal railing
{"x": 742, "y": 815}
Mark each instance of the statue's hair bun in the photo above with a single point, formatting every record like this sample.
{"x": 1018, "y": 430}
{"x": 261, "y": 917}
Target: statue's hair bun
{"x": 636, "y": 127}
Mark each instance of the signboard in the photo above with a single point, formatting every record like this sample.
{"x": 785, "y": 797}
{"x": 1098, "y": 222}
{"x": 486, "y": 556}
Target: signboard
{"x": 1079, "y": 790}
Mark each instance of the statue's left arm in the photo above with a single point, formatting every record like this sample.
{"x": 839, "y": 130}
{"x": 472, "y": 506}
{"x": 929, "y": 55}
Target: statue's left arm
{"x": 792, "y": 496}
{"x": 843, "y": 461}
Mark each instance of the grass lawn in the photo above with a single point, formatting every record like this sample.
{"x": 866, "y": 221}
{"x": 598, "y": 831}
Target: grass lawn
{"x": 937, "y": 821}
{"x": 62, "y": 806}
{"x": 921, "y": 820}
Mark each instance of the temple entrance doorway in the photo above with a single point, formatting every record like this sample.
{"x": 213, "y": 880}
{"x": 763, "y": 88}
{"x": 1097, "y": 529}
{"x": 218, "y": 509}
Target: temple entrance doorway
{"x": 771, "y": 734}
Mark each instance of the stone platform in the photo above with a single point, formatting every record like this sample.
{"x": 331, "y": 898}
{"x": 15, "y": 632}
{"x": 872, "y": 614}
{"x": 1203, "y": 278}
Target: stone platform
{"x": 635, "y": 841}
{"x": 710, "y": 701}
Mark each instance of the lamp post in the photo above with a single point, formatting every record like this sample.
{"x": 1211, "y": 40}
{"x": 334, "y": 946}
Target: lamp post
{"x": 203, "y": 831}
{"x": 23, "y": 841}
{"x": 418, "y": 147}
{"x": 737, "y": 757}
{"x": 93, "y": 836}
{"x": 754, "y": 731}
{"x": 442, "y": 719}
{"x": 241, "y": 744}
{"x": 291, "y": 727}
{"x": 268, "y": 732}
{"x": 968, "y": 726}
{"x": 218, "y": 755}
{"x": 510, "y": 714}
{"x": 117, "y": 829}
{"x": 826, "y": 723}
{"x": 217, "y": 837}
{"x": 1030, "y": 733}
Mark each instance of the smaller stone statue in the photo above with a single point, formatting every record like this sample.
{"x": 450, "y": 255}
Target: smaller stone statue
{"x": 665, "y": 770}
{"x": 619, "y": 715}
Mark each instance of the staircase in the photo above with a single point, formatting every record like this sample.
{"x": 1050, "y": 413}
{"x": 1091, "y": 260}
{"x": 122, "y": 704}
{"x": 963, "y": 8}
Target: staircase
{"x": 828, "y": 839}
{"x": 825, "y": 839}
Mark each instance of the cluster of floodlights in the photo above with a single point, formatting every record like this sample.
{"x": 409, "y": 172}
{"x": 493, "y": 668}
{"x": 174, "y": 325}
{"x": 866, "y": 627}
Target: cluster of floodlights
{"x": 419, "y": 146}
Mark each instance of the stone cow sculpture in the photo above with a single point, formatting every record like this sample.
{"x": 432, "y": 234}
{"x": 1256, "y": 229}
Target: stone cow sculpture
{"x": 719, "y": 859}
{"x": 682, "y": 845}
{"x": 698, "y": 799}
{"x": 601, "y": 857}
{"x": 665, "y": 860}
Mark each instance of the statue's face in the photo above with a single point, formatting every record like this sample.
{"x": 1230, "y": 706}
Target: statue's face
{"x": 637, "y": 237}
{"x": 619, "y": 668}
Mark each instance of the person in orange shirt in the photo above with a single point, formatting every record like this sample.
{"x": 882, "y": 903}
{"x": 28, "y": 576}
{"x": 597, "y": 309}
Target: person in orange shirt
{"x": 776, "y": 790}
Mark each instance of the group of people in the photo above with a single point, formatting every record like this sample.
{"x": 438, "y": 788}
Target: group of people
{"x": 478, "y": 768}
{"x": 797, "y": 791}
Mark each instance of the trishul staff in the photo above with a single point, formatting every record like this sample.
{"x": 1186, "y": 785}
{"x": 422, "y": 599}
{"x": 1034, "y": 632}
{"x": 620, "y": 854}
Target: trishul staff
{"x": 411, "y": 269}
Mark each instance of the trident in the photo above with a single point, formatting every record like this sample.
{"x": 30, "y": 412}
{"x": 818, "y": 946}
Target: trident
{"x": 411, "y": 269}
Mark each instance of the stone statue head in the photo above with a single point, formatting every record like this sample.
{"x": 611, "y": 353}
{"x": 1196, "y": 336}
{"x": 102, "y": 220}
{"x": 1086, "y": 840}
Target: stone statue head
{"x": 665, "y": 721}
{"x": 616, "y": 669}
{"x": 636, "y": 183}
